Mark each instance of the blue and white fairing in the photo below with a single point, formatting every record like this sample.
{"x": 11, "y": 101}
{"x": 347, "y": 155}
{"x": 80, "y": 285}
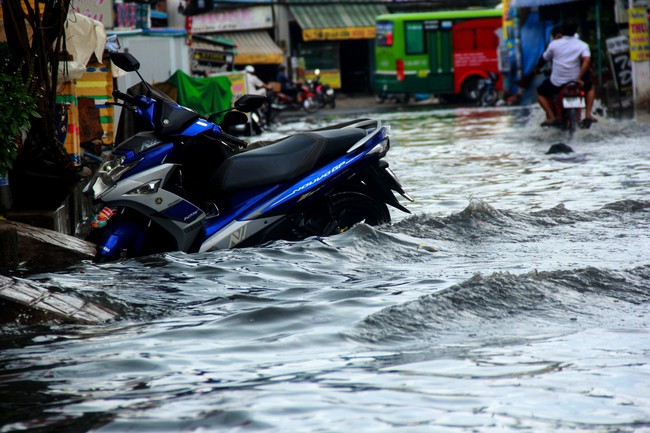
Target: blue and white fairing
{"x": 258, "y": 209}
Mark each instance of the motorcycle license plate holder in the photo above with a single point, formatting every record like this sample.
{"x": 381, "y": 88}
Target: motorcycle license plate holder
{"x": 573, "y": 102}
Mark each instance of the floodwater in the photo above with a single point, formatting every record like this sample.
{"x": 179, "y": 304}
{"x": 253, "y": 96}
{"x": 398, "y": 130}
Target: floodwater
{"x": 514, "y": 298}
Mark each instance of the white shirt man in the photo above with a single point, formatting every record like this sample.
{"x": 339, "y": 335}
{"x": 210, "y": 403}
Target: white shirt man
{"x": 571, "y": 58}
{"x": 253, "y": 84}
{"x": 566, "y": 53}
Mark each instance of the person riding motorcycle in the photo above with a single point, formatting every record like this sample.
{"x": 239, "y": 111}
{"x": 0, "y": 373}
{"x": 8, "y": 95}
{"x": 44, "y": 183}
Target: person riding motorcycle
{"x": 286, "y": 85}
{"x": 571, "y": 59}
{"x": 253, "y": 82}
{"x": 255, "y": 86}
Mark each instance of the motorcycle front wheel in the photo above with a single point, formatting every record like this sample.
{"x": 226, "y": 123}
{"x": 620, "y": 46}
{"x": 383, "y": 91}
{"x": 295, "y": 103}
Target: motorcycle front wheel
{"x": 128, "y": 236}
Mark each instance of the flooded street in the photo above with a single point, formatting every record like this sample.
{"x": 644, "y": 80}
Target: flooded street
{"x": 515, "y": 297}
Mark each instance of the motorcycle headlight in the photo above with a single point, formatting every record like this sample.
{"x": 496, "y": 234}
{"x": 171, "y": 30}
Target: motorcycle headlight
{"x": 107, "y": 175}
{"x": 148, "y": 188}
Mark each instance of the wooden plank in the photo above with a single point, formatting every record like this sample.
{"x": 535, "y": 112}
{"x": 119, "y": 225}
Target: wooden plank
{"x": 40, "y": 249}
{"x": 24, "y": 302}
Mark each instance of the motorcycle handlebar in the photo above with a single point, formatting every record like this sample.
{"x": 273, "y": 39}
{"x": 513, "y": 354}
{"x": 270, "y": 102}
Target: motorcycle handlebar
{"x": 133, "y": 101}
{"x": 233, "y": 140}
{"x": 124, "y": 97}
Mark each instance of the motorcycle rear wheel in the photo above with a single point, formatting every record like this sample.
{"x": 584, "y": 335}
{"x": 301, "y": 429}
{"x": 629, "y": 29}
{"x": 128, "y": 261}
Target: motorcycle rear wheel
{"x": 489, "y": 97}
{"x": 572, "y": 121}
{"x": 344, "y": 209}
{"x": 310, "y": 105}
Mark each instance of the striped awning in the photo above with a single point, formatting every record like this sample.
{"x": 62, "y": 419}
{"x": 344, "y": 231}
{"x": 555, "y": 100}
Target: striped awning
{"x": 535, "y": 3}
{"x": 255, "y": 47}
{"x": 336, "y": 21}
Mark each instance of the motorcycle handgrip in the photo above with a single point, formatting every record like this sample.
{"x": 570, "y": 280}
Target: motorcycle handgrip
{"x": 124, "y": 97}
{"x": 233, "y": 140}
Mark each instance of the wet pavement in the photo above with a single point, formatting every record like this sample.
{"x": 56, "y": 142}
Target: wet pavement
{"x": 359, "y": 103}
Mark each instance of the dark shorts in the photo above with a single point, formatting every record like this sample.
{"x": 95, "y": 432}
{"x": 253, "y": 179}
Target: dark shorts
{"x": 549, "y": 89}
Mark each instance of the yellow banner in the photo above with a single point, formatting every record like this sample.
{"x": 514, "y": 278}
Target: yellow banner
{"x": 639, "y": 41}
{"x": 342, "y": 33}
{"x": 331, "y": 77}
{"x": 258, "y": 58}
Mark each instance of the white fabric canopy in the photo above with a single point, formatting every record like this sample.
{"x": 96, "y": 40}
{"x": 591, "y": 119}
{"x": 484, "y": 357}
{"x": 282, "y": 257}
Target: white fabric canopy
{"x": 84, "y": 36}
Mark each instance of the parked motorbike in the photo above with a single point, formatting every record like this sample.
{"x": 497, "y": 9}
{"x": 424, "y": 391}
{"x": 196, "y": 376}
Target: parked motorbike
{"x": 325, "y": 95}
{"x": 486, "y": 90}
{"x": 186, "y": 185}
{"x": 305, "y": 99}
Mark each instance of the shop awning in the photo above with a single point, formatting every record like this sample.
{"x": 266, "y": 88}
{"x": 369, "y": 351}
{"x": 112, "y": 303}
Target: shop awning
{"x": 255, "y": 47}
{"x": 535, "y": 3}
{"x": 326, "y": 22}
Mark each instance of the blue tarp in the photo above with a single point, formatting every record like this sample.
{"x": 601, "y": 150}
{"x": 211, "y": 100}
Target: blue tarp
{"x": 535, "y": 35}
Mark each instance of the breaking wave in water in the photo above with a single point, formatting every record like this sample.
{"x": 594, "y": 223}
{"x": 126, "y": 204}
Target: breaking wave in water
{"x": 490, "y": 309}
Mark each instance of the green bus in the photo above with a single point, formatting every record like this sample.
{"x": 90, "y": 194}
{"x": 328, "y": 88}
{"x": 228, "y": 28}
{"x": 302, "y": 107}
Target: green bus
{"x": 442, "y": 53}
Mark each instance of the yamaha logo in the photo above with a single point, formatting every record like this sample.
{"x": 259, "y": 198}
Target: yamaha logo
{"x": 159, "y": 200}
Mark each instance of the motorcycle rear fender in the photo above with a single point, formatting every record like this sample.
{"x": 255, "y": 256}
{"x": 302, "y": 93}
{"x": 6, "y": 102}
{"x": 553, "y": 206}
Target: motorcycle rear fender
{"x": 383, "y": 182}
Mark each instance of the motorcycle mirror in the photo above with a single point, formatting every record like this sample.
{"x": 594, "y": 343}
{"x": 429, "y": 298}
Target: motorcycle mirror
{"x": 248, "y": 102}
{"x": 125, "y": 61}
{"x": 232, "y": 118}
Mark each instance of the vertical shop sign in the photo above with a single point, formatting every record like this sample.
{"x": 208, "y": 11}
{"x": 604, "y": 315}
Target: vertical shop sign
{"x": 639, "y": 42}
{"x": 619, "y": 60}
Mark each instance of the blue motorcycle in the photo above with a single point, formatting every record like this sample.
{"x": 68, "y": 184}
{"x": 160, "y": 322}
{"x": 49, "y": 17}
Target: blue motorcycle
{"x": 183, "y": 184}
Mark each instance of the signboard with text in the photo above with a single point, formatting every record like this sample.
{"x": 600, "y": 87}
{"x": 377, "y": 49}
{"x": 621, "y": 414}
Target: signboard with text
{"x": 618, "y": 51}
{"x": 252, "y": 18}
{"x": 100, "y": 10}
{"x": 639, "y": 41}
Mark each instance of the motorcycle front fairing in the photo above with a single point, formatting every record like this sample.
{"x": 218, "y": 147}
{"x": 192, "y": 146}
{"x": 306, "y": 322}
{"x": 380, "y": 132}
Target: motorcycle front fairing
{"x": 136, "y": 179}
{"x": 144, "y": 194}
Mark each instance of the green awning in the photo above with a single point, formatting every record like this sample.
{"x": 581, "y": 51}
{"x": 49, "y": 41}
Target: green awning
{"x": 336, "y": 21}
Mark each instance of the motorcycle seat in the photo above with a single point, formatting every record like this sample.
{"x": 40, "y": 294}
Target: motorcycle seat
{"x": 283, "y": 160}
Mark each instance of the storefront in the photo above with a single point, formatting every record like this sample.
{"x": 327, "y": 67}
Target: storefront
{"x": 211, "y": 54}
{"x": 338, "y": 39}
{"x": 249, "y": 28}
